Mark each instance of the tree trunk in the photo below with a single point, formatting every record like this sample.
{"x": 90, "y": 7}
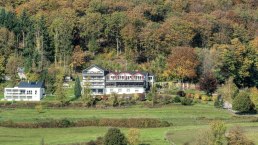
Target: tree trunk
{"x": 117, "y": 46}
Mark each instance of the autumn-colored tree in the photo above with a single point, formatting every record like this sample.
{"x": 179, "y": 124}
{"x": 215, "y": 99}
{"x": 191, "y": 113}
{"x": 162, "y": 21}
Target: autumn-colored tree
{"x": 183, "y": 62}
{"x": 208, "y": 83}
{"x": 12, "y": 65}
{"x": 78, "y": 57}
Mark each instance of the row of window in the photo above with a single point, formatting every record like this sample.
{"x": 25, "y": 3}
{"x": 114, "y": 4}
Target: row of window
{"x": 127, "y": 77}
{"x": 120, "y": 90}
{"x": 29, "y": 92}
{"x": 21, "y": 97}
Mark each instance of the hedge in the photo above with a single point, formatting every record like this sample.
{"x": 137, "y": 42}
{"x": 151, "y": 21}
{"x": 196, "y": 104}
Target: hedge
{"x": 64, "y": 123}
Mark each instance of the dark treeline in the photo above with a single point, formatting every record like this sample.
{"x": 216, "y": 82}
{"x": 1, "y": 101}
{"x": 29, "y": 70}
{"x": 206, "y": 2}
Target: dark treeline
{"x": 174, "y": 39}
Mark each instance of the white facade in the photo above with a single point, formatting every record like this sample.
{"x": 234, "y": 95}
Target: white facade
{"x": 25, "y": 92}
{"x": 125, "y": 90}
{"x": 103, "y": 82}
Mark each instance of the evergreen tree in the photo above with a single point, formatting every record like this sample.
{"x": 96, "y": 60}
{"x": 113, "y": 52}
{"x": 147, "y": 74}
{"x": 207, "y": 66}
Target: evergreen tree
{"x": 243, "y": 103}
{"x": 77, "y": 88}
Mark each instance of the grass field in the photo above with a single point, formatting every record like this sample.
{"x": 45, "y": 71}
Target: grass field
{"x": 187, "y": 121}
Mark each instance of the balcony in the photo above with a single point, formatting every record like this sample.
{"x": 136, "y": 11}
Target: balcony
{"x": 120, "y": 80}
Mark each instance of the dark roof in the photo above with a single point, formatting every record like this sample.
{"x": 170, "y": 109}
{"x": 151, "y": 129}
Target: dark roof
{"x": 31, "y": 85}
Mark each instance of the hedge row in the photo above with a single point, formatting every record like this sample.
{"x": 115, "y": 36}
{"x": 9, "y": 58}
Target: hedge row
{"x": 64, "y": 123}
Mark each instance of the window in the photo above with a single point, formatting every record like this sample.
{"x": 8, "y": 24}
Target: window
{"x": 111, "y": 90}
{"x": 119, "y": 90}
{"x": 29, "y": 97}
{"x": 136, "y": 91}
{"x": 29, "y": 92}
{"x": 36, "y": 92}
{"x": 128, "y": 90}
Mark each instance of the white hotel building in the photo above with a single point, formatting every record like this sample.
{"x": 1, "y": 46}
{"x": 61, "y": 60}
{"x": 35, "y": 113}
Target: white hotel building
{"x": 25, "y": 91}
{"x": 103, "y": 82}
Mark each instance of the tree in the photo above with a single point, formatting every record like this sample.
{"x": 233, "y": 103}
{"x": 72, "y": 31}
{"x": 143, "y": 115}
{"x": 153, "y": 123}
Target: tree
{"x": 114, "y": 137}
{"x": 12, "y": 65}
{"x": 115, "y": 23}
{"x": 133, "y": 136}
{"x": 60, "y": 92}
{"x": 93, "y": 45}
{"x": 7, "y": 41}
{"x": 242, "y": 103}
{"x": 86, "y": 96}
{"x": 77, "y": 88}
{"x": 236, "y": 136}
{"x": 254, "y": 95}
{"x": 228, "y": 91}
{"x": 2, "y": 68}
{"x": 238, "y": 61}
{"x": 43, "y": 42}
{"x": 208, "y": 83}
{"x": 78, "y": 58}
{"x": 183, "y": 62}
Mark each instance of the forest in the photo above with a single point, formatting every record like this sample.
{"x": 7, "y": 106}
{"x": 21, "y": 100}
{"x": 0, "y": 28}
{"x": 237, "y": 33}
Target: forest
{"x": 173, "y": 39}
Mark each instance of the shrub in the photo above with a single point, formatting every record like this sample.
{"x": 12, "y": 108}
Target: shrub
{"x": 177, "y": 99}
{"x": 218, "y": 129}
{"x": 186, "y": 101}
{"x": 254, "y": 96}
{"x": 205, "y": 98}
{"x": 197, "y": 96}
{"x": 181, "y": 93}
{"x": 115, "y": 101}
{"x": 236, "y": 137}
{"x": 114, "y": 137}
{"x": 133, "y": 136}
{"x": 64, "y": 123}
{"x": 39, "y": 108}
{"x": 243, "y": 103}
{"x": 167, "y": 99}
{"x": 228, "y": 91}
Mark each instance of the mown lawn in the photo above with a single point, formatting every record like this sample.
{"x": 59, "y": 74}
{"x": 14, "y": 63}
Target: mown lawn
{"x": 187, "y": 121}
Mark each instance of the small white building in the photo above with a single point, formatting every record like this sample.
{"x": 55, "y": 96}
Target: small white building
{"x": 25, "y": 91}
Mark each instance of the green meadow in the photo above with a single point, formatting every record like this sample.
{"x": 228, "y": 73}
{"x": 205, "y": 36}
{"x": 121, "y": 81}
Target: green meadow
{"x": 187, "y": 122}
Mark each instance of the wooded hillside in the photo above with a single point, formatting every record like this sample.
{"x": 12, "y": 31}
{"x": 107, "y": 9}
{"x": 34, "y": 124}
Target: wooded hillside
{"x": 174, "y": 39}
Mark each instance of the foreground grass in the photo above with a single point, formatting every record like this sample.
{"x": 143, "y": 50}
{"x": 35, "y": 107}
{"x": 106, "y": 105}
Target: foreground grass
{"x": 153, "y": 136}
{"x": 187, "y": 121}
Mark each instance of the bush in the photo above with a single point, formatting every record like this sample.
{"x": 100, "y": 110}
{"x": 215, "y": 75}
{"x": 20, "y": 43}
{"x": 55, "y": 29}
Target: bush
{"x": 39, "y": 108}
{"x": 181, "y": 93}
{"x": 114, "y": 137}
{"x": 205, "y": 98}
{"x": 243, "y": 103}
{"x": 186, "y": 101}
{"x": 197, "y": 96}
{"x": 166, "y": 99}
{"x": 236, "y": 137}
{"x": 177, "y": 99}
{"x": 133, "y": 136}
